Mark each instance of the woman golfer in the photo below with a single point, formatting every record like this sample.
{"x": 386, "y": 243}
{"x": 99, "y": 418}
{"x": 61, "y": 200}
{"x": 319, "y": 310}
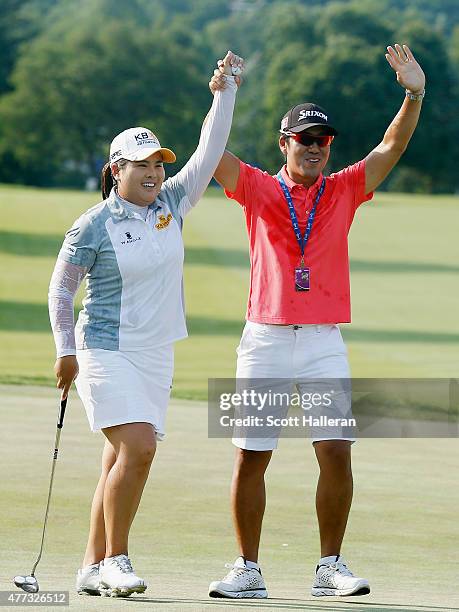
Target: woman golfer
{"x": 130, "y": 249}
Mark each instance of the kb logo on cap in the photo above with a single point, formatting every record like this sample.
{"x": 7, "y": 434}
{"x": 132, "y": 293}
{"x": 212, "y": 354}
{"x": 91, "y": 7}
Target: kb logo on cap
{"x": 144, "y": 138}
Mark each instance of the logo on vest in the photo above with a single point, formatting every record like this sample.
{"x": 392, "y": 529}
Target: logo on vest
{"x": 163, "y": 221}
{"x": 130, "y": 239}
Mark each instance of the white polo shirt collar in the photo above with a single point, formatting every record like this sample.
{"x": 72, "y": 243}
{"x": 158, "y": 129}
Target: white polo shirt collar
{"x": 120, "y": 211}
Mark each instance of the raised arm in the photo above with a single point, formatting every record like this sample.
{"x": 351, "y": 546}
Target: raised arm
{"x": 195, "y": 176}
{"x": 227, "y": 171}
{"x": 384, "y": 157}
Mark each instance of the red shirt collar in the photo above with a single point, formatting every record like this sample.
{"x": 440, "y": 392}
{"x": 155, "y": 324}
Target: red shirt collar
{"x": 291, "y": 184}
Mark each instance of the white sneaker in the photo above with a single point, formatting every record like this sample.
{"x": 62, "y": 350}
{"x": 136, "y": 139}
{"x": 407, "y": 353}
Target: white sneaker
{"x": 117, "y": 578}
{"x": 335, "y": 579}
{"x": 87, "y": 581}
{"x": 241, "y": 581}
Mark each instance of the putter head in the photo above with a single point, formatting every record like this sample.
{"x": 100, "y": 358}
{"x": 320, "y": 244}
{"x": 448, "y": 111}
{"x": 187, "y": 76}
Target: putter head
{"x": 29, "y": 584}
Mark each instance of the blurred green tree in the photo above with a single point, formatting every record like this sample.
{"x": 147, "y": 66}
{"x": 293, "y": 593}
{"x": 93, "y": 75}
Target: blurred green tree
{"x": 434, "y": 150}
{"x": 334, "y": 55}
{"x": 90, "y": 76}
{"x": 454, "y": 52}
{"x": 73, "y": 74}
{"x": 20, "y": 21}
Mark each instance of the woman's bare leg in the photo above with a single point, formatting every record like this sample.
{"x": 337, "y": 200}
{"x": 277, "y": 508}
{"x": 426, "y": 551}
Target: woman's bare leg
{"x": 134, "y": 445}
{"x": 95, "y": 549}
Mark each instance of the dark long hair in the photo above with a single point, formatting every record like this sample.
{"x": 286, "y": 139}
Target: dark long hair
{"x": 106, "y": 178}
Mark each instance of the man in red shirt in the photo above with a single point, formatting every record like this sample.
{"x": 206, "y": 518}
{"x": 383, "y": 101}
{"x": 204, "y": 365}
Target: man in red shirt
{"x": 298, "y": 223}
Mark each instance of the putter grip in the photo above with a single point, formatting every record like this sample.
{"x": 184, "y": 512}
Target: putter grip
{"x": 60, "y": 420}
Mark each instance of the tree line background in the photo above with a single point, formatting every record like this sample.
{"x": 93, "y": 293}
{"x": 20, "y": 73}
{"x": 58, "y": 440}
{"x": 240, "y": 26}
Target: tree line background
{"x": 74, "y": 73}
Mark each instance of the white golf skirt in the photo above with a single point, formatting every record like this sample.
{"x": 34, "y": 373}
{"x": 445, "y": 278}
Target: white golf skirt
{"x": 118, "y": 387}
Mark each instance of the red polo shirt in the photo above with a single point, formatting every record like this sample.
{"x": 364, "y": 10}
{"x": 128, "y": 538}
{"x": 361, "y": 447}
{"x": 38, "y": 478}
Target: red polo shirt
{"x": 275, "y": 253}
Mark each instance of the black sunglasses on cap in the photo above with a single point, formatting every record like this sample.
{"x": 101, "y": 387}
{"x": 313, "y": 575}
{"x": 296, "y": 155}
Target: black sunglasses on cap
{"x": 308, "y": 139}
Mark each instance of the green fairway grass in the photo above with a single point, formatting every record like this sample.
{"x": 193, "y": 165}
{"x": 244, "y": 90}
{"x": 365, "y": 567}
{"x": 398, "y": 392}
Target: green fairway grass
{"x": 403, "y": 526}
{"x": 405, "y": 291}
{"x": 402, "y": 531}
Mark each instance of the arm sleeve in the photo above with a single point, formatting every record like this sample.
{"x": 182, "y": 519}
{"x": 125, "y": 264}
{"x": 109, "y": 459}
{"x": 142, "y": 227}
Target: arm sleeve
{"x": 66, "y": 279}
{"x": 195, "y": 176}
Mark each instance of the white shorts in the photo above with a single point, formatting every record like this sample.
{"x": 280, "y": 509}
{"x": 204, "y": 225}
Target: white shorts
{"x": 126, "y": 387}
{"x": 287, "y": 353}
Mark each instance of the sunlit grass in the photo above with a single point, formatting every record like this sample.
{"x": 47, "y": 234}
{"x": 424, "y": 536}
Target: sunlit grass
{"x": 405, "y": 294}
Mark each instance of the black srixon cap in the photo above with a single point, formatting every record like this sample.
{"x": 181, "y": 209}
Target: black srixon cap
{"x": 304, "y": 116}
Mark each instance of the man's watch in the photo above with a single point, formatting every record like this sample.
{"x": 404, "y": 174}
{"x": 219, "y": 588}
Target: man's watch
{"x": 416, "y": 97}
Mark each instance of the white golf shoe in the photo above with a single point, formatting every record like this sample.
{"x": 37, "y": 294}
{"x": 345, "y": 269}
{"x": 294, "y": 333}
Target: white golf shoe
{"x": 117, "y": 578}
{"x": 241, "y": 581}
{"x": 87, "y": 581}
{"x": 336, "y": 580}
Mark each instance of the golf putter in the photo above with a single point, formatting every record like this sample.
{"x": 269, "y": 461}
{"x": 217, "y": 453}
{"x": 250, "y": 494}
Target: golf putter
{"x": 30, "y": 583}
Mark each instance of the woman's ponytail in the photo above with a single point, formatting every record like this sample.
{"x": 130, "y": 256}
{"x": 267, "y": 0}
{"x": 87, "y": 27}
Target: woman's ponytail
{"x": 106, "y": 180}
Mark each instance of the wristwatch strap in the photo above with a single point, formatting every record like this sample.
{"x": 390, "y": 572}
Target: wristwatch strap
{"x": 416, "y": 97}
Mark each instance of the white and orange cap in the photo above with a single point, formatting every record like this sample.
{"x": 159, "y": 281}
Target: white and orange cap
{"x": 136, "y": 144}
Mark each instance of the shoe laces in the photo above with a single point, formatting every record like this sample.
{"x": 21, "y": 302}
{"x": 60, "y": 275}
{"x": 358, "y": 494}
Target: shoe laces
{"x": 94, "y": 570}
{"x": 341, "y": 568}
{"x": 236, "y": 570}
{"x": 123, "y": 562}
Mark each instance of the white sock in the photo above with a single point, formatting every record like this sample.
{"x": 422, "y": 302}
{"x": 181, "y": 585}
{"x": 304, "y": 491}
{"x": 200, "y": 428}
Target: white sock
{"x": 327, "y": 560}
{"x": 252, "y": 565}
